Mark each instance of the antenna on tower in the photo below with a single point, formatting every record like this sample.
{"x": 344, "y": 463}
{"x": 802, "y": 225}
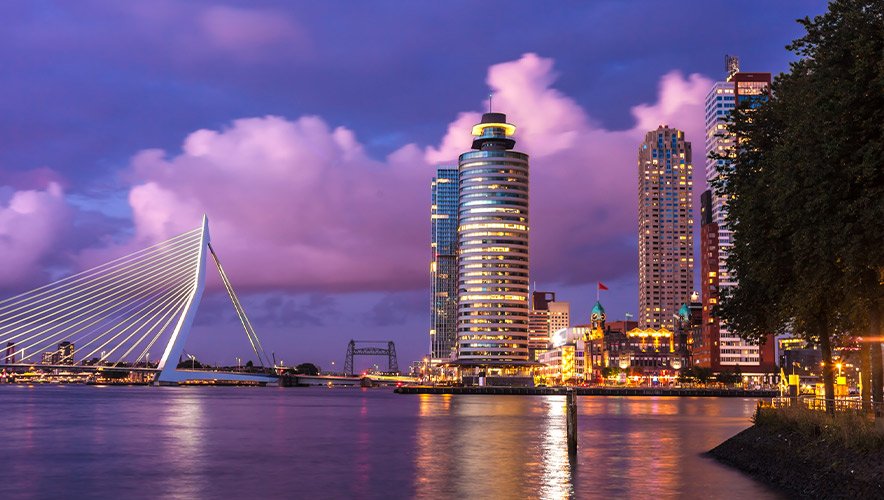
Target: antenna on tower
{"x": 490, "y": 96}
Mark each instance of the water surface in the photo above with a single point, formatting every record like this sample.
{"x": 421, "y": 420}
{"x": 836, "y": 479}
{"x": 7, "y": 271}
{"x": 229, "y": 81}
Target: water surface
{"x": 318, "y": 443}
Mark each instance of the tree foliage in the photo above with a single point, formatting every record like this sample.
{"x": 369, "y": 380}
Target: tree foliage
{"x": 805, "y": 188}
{"x": 307, "y": 369}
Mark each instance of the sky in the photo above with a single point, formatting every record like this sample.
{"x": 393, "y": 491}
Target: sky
{"x": 309, "y": 132}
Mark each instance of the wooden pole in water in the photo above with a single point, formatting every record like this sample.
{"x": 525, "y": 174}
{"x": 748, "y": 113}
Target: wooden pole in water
{"x": 571, "y": 404}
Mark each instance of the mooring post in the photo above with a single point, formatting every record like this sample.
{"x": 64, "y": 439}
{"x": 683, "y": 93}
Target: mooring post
{"x": 571, "y": 404}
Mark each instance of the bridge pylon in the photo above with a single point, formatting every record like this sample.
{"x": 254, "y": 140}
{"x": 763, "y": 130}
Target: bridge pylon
{"x": 113, "y": 315}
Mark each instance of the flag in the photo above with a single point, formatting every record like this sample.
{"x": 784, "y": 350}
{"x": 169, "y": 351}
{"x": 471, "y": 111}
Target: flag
{"x": 628, "y": 316}
{"x": 602, "y": 286}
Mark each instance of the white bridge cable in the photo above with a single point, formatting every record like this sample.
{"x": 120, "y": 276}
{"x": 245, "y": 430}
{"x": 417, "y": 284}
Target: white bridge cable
{"x": 240, "y": 311}
{"x": 173, "y": 242}
{"x": 132, "y": 321}
{"x": 180, "y": 310}
{"x": 40, "y": 317}
{"x": 167, "y": 312}
{"x": 100, "y": 314}
{"x": 109, "y": 302}
{"x": 126, "y": 276}
{"x": 113, "y": 289}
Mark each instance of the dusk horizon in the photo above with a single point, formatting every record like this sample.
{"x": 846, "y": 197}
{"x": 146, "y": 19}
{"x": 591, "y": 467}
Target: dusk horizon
{"x": 310, "y": 140}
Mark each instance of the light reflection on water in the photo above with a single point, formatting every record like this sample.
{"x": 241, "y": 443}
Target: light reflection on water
{"x": 85, "y": 442}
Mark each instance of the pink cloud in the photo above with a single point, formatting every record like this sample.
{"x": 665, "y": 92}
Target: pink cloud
{"x": 245, "y": 32}
{"x": 583, "y": 176}
{"x": 299, "y": 205}
{"x": 32, "y": 223}
{"x": 291, "y": 204}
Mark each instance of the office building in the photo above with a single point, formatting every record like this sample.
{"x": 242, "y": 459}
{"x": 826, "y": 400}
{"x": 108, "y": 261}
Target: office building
{"x": 443, "y": 264}
{"x": 665, "y": 226}
{"x": 493, "y": 268}
{"x": 66, "y": 353}
{"x": 546, "y": 317}
{"x": 722, "y": 350}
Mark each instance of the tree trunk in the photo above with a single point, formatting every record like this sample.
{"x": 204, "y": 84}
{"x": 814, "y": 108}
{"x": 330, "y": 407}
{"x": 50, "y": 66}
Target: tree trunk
{"x": 828, "y": 368}
{"x": 877, "y": 365}
{"x": 865, "y": 372}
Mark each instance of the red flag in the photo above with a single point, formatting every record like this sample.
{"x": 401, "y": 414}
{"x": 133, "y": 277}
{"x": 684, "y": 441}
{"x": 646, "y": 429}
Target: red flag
{"x": 602, "y": 287}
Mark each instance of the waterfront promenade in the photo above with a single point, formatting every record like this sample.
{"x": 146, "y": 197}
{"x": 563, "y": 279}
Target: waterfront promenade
{"x": 594, "y": 391}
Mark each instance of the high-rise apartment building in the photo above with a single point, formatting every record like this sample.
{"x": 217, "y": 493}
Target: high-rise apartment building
{"x": 722, "y": 349}
{"x": 443, "y": 266}
{"x": 665, "y": 226}
{"x": 493, "y": 248}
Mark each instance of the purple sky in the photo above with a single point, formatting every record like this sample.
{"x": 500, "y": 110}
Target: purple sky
{"x": 309, "y": 132}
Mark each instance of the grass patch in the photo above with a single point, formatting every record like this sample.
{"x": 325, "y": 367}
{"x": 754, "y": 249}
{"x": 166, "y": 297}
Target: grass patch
{"x": 851, "y": 429}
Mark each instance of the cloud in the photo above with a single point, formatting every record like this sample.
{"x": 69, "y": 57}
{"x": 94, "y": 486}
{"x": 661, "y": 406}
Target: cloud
{"x": 299, "y": 205}
{"x": 247, "y": 32}
{"x": 583, "y": 177}
{"x": 33, "y": 222}
{"x": 292, "y": 205}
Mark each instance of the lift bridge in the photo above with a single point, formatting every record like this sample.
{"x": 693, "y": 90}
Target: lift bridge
{"x": 113, "y": 315}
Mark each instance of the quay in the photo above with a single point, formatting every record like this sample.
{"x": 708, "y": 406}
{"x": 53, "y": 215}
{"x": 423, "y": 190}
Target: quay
{"x": 594, "y": 391}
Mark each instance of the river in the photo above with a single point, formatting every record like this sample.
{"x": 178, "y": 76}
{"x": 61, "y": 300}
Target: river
{"x": 72, "y": 442}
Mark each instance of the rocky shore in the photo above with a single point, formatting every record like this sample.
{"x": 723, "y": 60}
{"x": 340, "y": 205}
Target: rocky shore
{"x": 806, "y": 464}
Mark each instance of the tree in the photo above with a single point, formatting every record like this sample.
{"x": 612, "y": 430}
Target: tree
{"x": 307, "y": 369}
{"x": 843, "y": 52}
{"x": 804, "y": 189}
{"x": 728, "y": 378}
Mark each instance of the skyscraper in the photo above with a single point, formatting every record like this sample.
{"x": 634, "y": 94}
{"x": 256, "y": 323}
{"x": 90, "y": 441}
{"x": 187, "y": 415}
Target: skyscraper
{"x": 665, "y": 226}
{"x": 443, "y": 266}
{"x": 722, "y": 349}
{"x": 493, "y": 248}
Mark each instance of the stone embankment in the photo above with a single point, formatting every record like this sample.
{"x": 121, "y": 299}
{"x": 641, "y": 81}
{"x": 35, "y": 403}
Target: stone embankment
{"x": 590, "y": 391}
{"x": 811, "y": 464}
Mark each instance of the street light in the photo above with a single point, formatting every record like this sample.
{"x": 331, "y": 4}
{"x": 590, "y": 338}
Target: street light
{"x": 192, "y": 361}
{"x": 238, "y": 361}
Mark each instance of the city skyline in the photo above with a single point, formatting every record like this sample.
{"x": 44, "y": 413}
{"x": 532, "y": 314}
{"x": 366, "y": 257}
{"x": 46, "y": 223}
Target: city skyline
{"x": 115, "y": 139}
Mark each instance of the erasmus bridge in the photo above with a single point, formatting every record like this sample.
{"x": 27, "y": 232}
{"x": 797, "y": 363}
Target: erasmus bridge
{"x": 113, "y": 315}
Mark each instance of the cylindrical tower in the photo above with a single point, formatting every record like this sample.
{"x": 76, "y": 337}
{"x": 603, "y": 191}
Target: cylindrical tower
{"x": 493, "y": 283}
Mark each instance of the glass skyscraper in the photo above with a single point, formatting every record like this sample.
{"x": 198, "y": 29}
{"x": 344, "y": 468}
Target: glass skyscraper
{"x": 493, "y": 248}
{"x": 443, "y": 265}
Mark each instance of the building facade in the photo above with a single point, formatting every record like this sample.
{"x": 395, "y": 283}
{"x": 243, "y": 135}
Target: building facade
{"x": 547, "y": 315}
{"x": 721, "y": 349}
{"x": 706, "y": 351}
{"x": 665, "y": 226}
{"x": 443, "y": 265}
{"x": 493, "y": 269}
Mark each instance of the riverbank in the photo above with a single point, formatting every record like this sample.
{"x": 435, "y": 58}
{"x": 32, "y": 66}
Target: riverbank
{"x": 809, "y": 454}
{"x": 591, "y": 391}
